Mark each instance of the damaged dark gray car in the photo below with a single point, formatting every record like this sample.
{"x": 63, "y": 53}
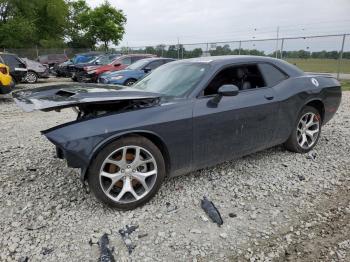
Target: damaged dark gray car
{"x": 184, "y": 116}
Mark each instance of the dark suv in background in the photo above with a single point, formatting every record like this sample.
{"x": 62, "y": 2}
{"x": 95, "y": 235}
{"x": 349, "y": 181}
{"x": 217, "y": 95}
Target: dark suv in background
{"x": 67, "y": 68}
{"x": 18, "y": 68}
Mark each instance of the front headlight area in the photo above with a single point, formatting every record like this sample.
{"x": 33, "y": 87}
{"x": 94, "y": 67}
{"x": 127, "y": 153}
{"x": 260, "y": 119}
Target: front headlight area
{"x": 116, "y": 77}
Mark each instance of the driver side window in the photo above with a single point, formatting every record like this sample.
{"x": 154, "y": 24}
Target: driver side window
{"x": 245, "y": 77}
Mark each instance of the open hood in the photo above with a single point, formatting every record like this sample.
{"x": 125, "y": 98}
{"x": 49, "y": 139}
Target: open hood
{"x": 62, "y": 96}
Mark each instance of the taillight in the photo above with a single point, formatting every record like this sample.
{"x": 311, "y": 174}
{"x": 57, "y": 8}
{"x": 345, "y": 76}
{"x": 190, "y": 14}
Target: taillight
{"x": 3, "y": 70}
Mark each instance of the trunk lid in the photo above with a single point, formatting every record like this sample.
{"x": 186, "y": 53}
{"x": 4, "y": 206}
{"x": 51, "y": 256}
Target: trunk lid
{"x": 62, "y": 96}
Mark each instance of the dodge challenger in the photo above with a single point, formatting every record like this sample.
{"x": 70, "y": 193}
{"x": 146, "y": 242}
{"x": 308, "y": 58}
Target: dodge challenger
{"x": 185, "y": 115}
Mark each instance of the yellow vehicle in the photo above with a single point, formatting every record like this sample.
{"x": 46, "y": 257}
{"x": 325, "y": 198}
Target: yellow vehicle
{"x": 6, "y": 82}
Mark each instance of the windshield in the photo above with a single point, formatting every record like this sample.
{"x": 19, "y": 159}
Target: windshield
{"x": 105, "y": 59}
{"x": 82, "y": 59}
{"x": 138, "y": 64}
{"x": 173, "y": 79}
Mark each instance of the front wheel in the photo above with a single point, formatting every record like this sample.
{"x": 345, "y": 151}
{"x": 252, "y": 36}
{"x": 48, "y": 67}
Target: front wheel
{"x": 306, "y": 131}
{"x": 130, "y": 82}
{"x": 31, "y": 77}
{"x": 127, "y": 173}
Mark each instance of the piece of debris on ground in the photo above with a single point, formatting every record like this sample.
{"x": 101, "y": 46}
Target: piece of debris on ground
{"x": 106, "y": 254}
{"x": 46, "y": 251}
{"x": 125, "y": 234}
{"x": 211, "y": 211}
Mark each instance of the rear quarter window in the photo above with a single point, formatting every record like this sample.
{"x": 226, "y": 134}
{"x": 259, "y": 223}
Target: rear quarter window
{"x": 272, "y": 74}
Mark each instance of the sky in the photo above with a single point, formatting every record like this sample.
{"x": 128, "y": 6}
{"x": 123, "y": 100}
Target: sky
{"x": 151, "y": 22}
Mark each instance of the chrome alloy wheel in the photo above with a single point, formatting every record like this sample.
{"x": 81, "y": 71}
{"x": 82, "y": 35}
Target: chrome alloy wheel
{"x": 128, "y": 174}
{"x": 308, "y": 130}
{"x": 31, "y": 77}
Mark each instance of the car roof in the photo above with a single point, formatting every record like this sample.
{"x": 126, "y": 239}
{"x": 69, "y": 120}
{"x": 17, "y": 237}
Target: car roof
{"x": 131, "y": 55}
{"x": 89, "y": 53}
{"x": 150, "y": 59}
{"x": 5, "y": 53}
{"x": 219, "y": 61}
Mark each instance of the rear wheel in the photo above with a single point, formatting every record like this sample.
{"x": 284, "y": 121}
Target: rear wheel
{"x": 127, "y": 173}
{"x": 306, "y": 131}
{"x": 31, "y": 77}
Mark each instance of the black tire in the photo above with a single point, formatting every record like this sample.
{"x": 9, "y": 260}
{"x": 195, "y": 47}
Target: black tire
{"x": 129, "y": 82}
{"x": 292, "y": 143}
{"x": 93, "y": 177}
{"x": 79, "y": 77}
{"x": 31, "y": 77}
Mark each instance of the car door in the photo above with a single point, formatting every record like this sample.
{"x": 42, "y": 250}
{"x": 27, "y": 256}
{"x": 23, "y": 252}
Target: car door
{"x": 238, "y": 125}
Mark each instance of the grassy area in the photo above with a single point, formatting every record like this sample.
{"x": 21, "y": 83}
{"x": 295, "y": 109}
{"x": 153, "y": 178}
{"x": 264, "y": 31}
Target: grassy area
{"x": 345, "y": 84}
{"x": 321, "y": 65}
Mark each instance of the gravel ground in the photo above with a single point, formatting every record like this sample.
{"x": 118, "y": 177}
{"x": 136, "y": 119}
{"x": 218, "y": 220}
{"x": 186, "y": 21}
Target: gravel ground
{"x": 276, "y": 205}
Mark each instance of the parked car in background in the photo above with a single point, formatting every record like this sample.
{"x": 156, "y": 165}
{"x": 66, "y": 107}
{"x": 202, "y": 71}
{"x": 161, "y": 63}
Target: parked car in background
{"x": 67, "y": 68}
{"x": 35, "y": 71}
{"x": 52, "y": 59}
{"x": 118, "y": 64}
{"x": 6, "y": 82}
{"x": 80, "y": 70}
{"x": 18, "y": 68}
{"x": 133, "y": 72}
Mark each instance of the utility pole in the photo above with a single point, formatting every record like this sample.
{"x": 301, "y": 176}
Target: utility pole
{"x": 341, "y": 55}
{"x": 282, "y": 45}
{"x": 278, "y": 31}
{"x": 178, "y": 48}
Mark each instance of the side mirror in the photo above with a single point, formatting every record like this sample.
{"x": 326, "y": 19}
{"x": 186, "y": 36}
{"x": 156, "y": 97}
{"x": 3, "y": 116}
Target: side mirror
{"x": 117, "y": 64}
{"x": 225, "y": 90}
{"x": 147, "y": 69}
{"x": 228, "y": 90}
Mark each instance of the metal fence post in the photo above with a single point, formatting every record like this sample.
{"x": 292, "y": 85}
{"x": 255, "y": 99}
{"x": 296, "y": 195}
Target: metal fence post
{"x": 278, "y": 31}
{"x": 239, "y": 47}
{"x": 282, "y": 48}
{"x": 340, "y": 56}
{"x": 37, "y": 51}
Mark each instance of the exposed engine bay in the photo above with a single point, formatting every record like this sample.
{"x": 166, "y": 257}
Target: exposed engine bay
{"x": 87, "y": 111}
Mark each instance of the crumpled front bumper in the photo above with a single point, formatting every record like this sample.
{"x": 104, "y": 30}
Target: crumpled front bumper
{"x": 44, "y": 74}
{"x": 6, "y": 89}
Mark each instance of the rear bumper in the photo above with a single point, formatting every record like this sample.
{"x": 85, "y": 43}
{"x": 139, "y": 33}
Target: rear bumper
{"x": 332, "y": 102}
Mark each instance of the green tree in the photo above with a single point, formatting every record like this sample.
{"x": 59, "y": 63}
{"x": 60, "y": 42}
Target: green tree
{"x": 37, "y": 22}
{"x": 77, "y": 32}
{"x": 150, "y": 50}
{"x": 106, "y": 24}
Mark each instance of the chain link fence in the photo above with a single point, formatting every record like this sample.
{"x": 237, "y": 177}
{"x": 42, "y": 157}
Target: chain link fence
{"x": 34, "y": 53}
{"x": 321, "y": 53}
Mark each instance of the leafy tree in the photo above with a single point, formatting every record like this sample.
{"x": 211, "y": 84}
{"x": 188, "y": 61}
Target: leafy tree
{"x": 150, "y": 50}
{"x": 106, "y": 24}
{"x": 77, "y": 32}
{"x": 27, "y": 23}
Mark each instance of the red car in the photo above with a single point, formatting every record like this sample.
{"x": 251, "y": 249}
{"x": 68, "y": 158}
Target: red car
{"x": 118, "y": 64}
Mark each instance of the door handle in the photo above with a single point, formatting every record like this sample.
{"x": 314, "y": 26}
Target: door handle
{"x": 269, "y": 97}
